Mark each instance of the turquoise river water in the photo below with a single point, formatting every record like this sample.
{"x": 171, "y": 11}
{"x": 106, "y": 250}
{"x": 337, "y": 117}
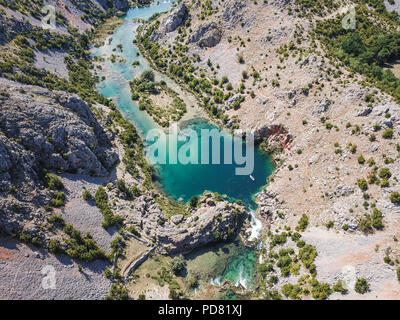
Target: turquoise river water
{"x": 179, "y": 181}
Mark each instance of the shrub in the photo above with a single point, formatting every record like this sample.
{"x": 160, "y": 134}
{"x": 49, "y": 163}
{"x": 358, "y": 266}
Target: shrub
{"x": 101, "y": 200}
{"x": 117, "y": 292}
{"x": 387, "y": 134}
{"x": 86, "y": 195}
{"x": 377, "y": 219}
{"x": 303, "y": 223}
{"x": 362, "y": 184}
{"x": 55, "y": 246}
{"x": 82, "y": 248}
{"x": 385, "y": 173}
{"x": 398, "y": 273}
{"x": 361, "y": 286}
{"x": 58, "y": 199}
{"x": 53, "y": 182}
{"x": 330, "y": 224}
{"x": 177, "y": 264}
{"x": 307, "y": 255}
{"x": 193, "y": 282}
{"x": 291, "y": 291}
{"x": 56, "y": 219}
{"x": 339, "y": 287}
{"x": 320, "y": 291}
{"x": 121, "y": 186}
{"x": 148, "y": 75}
{"x": 278, "y": 239}
{"x": 301, "y": 243}
{"x": 194, "y": 202}
{"x": 395, "y": 197}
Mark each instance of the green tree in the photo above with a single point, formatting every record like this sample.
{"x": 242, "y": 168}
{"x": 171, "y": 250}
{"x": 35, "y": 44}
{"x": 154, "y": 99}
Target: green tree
{"x": 361, "y": 286}
{"x": 177, "y": 264}
{"x": 194, "y": 201}
{"x": 53, "y": 182}
{"x": 395, "y": 197}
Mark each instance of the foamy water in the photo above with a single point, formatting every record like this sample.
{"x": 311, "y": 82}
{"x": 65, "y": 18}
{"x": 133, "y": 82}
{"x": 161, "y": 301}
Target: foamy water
{"x": 256, "y": 226}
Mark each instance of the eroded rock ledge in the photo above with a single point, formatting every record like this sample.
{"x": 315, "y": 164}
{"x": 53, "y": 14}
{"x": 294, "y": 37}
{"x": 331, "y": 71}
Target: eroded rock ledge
{"x": 42, "y": 129}
{"x": 212, "y": 221}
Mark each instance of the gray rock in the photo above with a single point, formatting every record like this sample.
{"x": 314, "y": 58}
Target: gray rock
{"x": 233, "y": 12}
{"x": 322, "y": 106}
{"x": 207, "y": 36}
{"x": 62, "y": 132}
{"x": 177, "y": 219}
{"x": 10, "y": 27}
{"x": 212, "y": 223}
{"x": 363, "y": 112}
{"x": 176, "y": 18}
{"x": 43, "y": 129}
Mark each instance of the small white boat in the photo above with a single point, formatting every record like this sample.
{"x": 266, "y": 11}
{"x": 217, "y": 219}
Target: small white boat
{"x": 252, "y": 178}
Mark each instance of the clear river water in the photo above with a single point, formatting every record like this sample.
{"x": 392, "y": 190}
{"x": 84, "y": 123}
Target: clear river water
{"x": 179, "y": 181}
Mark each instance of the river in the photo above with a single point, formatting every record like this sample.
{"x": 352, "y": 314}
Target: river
{"x": 178, "y": 181}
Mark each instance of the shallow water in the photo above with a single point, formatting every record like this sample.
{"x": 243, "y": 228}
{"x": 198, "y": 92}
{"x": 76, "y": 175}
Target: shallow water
{"x": 181, "y": 182}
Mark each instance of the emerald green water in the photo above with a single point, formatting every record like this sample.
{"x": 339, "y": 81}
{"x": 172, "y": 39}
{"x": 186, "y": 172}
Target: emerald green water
{"x": 184, "y": 181}
{"x": 179, "y": 181}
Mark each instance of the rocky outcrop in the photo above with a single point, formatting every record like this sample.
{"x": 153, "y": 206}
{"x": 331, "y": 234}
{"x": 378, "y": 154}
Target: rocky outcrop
{"x": 232, "y": 14}
{"x": 59, "y": 129}
{"x": 10, "y": 27}
{"x": 170, "y": 23}
{"x": 322, "y": 106}
{"x": 18, "y": 193}
{"x": 176, "y": 18}
{"x": 207, "y": 36}
{"x": 121, "y": 5}
{"x": 43, "y": 129}
{"x": 277, "y": 136}
{"x": 213, "y": 221}
{"x": 268, "y": 206}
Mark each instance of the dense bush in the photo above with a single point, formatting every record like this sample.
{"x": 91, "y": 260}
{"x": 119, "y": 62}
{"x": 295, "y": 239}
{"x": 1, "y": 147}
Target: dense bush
{"x": 177, "y": 264}
{"x": 55, "y": 246}
{"x": 53, "y": 182}
{"x": 101, "y": 200}
{"x": 303, "y": 223}
{"x": 86, "y": 195}
{"x": 368, "y": 50}
{"x": 361, "y": 286}
{"x": 193, "y": 202}
{"x": 395, "y": 197}
{"x": 117, "y": 292}
{"x": 82, "y": 248}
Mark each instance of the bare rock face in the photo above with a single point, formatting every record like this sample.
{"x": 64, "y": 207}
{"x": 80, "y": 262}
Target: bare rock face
{"x": 59, "y": 129}
{"x": 233, "y": 12}
{"x": 176, "y": 18}
{"x": 207, "y": 36}
{"x": 322, "y": 106}
{"x": 18, "y": 187}
{"x": 277, "y": 136}
{"x": 43, "y": 129}
{"x": 122, "y": 5}
{"x": 11, "y": 27}
{"x": 269, "y": 205}
{"x": 212, "y": 222}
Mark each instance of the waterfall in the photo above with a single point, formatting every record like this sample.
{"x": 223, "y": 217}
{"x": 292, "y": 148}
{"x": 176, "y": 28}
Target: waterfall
{"x": 256, "y": 226}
